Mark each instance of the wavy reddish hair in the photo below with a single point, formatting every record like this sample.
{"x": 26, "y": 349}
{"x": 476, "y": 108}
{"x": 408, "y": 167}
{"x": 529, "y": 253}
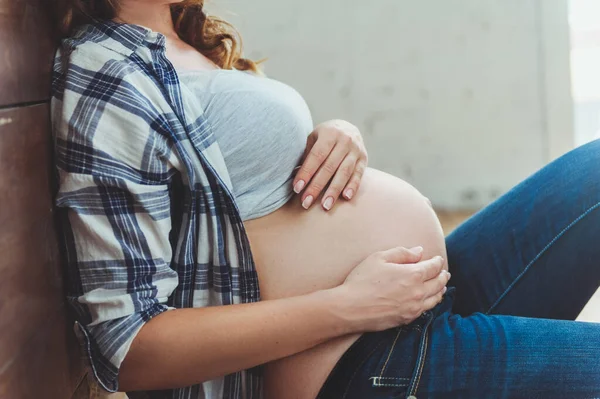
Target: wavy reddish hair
{"x": 215, "y": 38}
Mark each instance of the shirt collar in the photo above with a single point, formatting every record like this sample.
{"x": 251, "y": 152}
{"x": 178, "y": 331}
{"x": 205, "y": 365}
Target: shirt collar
{"x": 122, "y": 38}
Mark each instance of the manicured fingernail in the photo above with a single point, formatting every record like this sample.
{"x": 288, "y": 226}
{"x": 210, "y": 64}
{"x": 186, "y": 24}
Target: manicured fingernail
{"x": 299, "y": 186}
{"x": 417, "y": 250}
{"x": 349, "y": 193}
{"x": 307, "y": 202}
{"x": 328, "y": 203}
{"x": 449, "y": 275}
{"x": 444, "y": 290}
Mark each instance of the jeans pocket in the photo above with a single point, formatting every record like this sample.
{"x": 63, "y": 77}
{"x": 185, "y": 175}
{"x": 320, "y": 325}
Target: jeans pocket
{"x": 399, "y": 370}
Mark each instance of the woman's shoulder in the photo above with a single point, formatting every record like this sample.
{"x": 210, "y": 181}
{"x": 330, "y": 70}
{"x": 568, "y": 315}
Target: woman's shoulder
{"x": 97, "y": 62}
{"x": 106, "y": 47}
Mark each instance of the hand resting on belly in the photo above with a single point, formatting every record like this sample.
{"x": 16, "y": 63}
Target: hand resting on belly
{"x": 298, "y": 252}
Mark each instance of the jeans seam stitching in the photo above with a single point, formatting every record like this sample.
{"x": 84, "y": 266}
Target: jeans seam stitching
{"x": 422, "y": 356}
{"x": 401, "y": 382}
{"x": 539, "y": 255}
{"x": 358, "y": 368}
{"x": 396, "y": 378}
{"x": 387, "y": 384}
{"x": 421, "y": 364}
{"x": 390, "y": 353}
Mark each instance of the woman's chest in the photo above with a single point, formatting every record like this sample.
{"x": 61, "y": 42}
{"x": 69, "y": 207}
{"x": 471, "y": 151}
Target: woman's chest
{"x": 261, "y": 125}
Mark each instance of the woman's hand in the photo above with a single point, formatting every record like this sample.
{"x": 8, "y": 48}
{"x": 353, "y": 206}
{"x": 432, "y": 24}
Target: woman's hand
{"x": 335, "y": 155}
{"x": 392, "y": 288}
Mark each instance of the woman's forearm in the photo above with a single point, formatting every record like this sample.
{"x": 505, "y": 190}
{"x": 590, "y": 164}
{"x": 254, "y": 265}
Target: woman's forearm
{"x": 187, "y": 346}
{"x": 184, "y": 347}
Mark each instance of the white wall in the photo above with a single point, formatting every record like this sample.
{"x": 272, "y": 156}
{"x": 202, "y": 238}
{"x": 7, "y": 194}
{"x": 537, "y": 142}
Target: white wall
{"x": 463, "y": 98}
{"x": 585, "y": 64}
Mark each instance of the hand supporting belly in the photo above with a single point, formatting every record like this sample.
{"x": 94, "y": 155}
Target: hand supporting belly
{"x": 298, "y": 252}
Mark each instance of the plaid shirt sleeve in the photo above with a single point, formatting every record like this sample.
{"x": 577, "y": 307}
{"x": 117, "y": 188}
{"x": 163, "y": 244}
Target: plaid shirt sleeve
{"x": 114, "y": 175}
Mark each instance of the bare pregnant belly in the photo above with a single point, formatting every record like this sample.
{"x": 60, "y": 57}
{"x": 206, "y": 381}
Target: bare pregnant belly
{"x": 298, "y": 252}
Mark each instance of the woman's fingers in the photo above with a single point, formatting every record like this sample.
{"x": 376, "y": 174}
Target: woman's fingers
{"x": 432, "y": 301}
{"x": 428, "y": 269}
{"x": 354, "y": 183}
{"x": 310, "y": 142}
{"x": 319, "y": 152}
{"x": 436, "y": 285}
{"x": 401, "y": 255}
{"x": 327, "y": 170}
{"x": 340, "y": 180}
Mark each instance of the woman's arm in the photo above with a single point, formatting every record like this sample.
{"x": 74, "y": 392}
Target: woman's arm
{"x": 183, "y": 347}
{"x": 187, "y": 346}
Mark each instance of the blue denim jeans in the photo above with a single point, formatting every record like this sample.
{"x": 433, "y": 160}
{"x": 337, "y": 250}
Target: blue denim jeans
{"x": 522, "y": 269}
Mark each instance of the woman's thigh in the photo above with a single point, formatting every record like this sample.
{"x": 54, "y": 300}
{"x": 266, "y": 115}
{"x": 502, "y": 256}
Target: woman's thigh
{"x": 443, "y": 355}
{"x": 483, "y": 356}
{"x": 535, "y": 252}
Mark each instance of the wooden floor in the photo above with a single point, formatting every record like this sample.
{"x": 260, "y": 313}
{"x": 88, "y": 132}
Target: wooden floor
{"x": 450, "y": 220}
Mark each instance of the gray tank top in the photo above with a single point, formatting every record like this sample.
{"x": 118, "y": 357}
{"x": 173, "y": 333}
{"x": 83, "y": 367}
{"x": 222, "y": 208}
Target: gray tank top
{"x": 261, "y": 126}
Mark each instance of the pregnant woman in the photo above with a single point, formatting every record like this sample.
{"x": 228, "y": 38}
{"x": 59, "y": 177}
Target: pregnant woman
{"x": 188, "y": 181}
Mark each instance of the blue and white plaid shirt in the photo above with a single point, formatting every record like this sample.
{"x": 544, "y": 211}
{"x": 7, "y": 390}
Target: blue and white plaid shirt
{"x": 145, "y": 200}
